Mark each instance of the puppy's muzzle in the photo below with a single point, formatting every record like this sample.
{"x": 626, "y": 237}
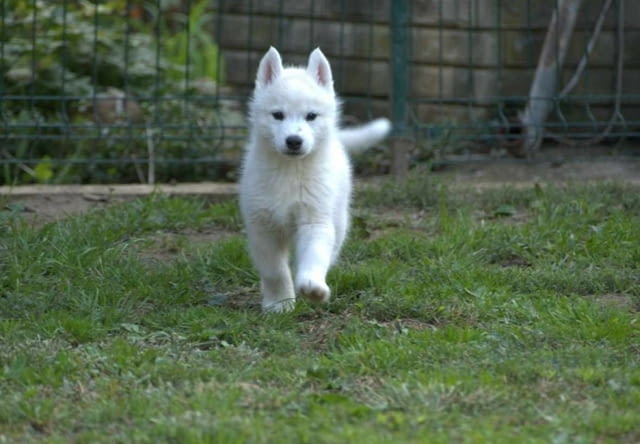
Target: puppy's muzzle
{"x": 294, "y": 145}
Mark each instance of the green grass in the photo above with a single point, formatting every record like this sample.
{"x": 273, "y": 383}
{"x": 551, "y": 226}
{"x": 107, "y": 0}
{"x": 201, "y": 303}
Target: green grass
{"x": 458, "y": 316}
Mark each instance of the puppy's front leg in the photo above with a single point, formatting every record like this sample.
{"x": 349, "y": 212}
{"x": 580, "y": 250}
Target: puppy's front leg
{"x": 314, "y": 248}
{"x": 270, "y": 254}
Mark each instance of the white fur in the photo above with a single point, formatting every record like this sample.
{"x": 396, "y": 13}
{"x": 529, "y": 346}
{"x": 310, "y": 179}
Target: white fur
{"x": 297, "y": 195}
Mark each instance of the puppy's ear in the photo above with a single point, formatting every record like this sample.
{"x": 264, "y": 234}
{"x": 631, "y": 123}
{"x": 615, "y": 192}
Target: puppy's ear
{"x": 319, "y": 68}
{"x": 270, "y": 67}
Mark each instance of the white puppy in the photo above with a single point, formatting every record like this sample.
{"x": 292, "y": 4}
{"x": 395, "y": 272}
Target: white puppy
{"x": 296, "y": 178}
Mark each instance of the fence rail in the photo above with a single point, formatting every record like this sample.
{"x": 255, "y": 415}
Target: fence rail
{"x": 132, "y": 90}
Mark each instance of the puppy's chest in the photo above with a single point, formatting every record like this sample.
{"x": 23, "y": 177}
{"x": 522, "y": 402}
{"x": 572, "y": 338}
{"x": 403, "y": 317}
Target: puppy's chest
{"x": 289, "y": 203}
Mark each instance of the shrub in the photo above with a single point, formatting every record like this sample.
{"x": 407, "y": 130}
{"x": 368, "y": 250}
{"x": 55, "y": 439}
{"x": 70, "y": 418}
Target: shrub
{"x": 88, "y": 84}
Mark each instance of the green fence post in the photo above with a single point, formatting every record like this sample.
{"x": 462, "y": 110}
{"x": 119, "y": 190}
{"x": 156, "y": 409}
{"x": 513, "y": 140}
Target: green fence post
{"x": 400, "y": 85}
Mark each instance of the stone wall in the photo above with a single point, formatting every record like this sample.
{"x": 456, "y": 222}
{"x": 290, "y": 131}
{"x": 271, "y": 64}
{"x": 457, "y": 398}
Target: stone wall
{"x": 466, "y": 54}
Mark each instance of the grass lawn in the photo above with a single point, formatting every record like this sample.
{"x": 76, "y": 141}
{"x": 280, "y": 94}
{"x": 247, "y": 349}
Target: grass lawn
{"x": 458, "y": 316}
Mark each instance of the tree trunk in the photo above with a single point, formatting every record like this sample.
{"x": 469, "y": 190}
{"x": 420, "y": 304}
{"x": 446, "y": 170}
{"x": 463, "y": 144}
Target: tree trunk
{"x": 545, "y": 82}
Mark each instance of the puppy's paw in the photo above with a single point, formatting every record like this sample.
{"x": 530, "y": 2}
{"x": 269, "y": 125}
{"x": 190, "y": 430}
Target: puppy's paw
{"x": 281, "y": 306}
{"x": 313, "y": 290}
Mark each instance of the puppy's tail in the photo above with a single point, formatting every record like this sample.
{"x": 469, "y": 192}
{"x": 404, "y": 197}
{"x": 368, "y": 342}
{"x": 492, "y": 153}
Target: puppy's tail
{"x": 359, "y": 138}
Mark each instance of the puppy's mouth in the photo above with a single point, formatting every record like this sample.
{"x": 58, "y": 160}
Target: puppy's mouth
{"x": 292, "y": 153}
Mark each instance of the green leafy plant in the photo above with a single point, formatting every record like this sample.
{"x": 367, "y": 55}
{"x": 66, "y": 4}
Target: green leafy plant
{"x": 88, "y": 79}
{"x": 193, "y": 46}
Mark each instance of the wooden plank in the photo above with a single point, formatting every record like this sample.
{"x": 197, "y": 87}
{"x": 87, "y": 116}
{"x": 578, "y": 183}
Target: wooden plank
{"x": 184, "y": 189}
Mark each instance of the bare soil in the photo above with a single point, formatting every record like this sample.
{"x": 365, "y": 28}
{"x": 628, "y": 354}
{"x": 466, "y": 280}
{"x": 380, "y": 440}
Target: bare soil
{"x": 42, "y": 204}
{"x": 40, "y": 209}
{"x": 507, "y": 172}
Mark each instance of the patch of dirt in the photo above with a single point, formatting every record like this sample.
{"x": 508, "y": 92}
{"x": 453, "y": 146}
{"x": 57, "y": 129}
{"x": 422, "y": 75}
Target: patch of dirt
{"x": 403, "y": 325}
{"x": 40, "y": 207}
{"x": 242, "y": 298}
{"x": 533, "y": 172}
{"x": 41, "y": 204}
{"x": 618, "y": 301}
{"x": 513, "y": 261}
{"x": 516, "y": 217}
{"x": 320, "y": 331}
{"x": 373, "y": 225}
{"x": 167, "y": 245}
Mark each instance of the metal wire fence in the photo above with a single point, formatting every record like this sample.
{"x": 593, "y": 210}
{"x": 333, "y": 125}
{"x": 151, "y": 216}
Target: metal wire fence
{"x": 134, "y": 90}
{"x": 508, "y": 76}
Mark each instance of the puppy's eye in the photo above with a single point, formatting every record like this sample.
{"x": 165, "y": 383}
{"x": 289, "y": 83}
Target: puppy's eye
{"x": 310, "y": 117}
{"x": 278, "y": 115}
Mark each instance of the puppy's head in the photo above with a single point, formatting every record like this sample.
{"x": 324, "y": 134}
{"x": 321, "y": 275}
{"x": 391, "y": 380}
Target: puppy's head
{"x": 293, "y": 110}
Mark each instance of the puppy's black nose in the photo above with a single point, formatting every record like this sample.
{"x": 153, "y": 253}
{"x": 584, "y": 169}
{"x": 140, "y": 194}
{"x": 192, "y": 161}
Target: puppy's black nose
{"x": 294, "y": 143}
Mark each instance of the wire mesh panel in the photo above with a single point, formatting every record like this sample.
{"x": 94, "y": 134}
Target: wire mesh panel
{"x": 155, "y": 90}
{"x": 480, "y": 69}
{"x": 112, "y": 91}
